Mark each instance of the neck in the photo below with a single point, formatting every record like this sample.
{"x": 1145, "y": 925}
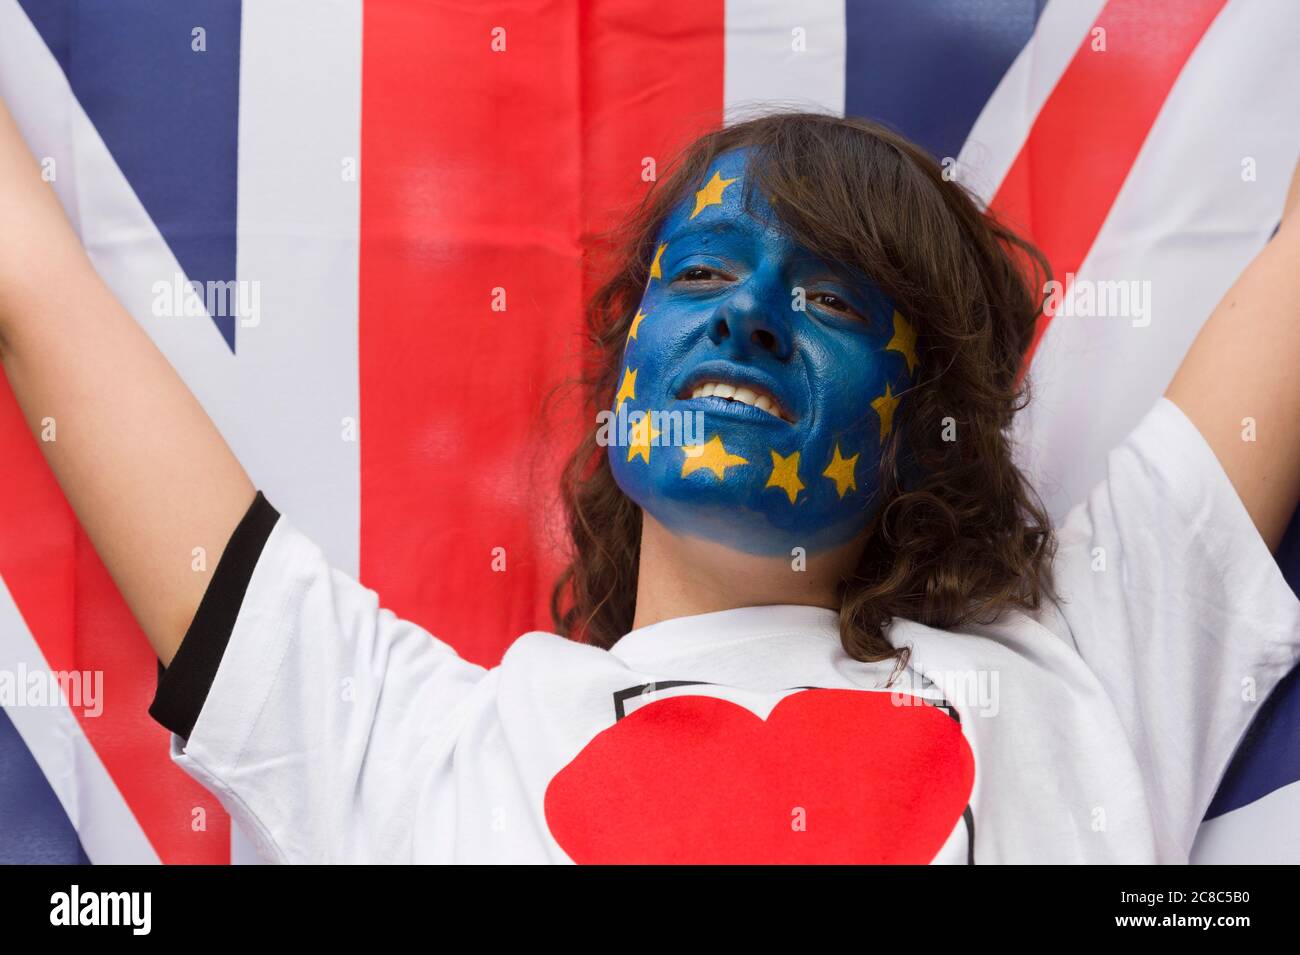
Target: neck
{"x": 681, "y": 576}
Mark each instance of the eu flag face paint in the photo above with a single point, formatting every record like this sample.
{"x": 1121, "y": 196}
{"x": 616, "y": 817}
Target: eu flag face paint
{"x": 796, "y": 373}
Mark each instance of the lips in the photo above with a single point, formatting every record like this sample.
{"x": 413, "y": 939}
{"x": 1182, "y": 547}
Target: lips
{"x": 754, "y": 397}
{"x": 736, "y": 386}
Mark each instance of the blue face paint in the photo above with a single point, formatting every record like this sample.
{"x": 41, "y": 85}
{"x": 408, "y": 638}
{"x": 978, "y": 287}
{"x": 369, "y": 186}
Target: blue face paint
{"x": 720, "y": 309}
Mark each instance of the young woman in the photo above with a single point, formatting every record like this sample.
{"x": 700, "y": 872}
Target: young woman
{"x": 814, "y": 613}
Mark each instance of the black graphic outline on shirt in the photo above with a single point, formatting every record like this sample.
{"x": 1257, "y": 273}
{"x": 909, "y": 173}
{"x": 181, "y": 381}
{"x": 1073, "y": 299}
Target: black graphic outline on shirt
{"x": 622, "y": 696}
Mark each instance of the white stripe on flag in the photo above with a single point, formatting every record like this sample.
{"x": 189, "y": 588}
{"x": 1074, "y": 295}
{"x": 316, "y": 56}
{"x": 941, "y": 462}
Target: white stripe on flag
{"x": 1004, "y": 123}
{"x": 299, "y": 228}
{"x": 1184, "y": 221}
{"x": 767, "y": 63}
{"x": 104, "y": 822}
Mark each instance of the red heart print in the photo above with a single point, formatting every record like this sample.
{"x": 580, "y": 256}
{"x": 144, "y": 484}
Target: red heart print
{"x": 831, "y": 776}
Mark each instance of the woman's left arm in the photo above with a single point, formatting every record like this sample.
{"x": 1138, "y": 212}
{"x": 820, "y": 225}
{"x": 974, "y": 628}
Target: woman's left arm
{"x": 1240, "y": 383}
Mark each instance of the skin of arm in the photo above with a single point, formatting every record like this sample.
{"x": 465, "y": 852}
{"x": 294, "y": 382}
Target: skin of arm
{"x": 1243, "y": 366}
{"x": 144, "y": 468}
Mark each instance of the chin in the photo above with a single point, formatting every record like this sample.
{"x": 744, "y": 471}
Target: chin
{"x": 738, "y": 515}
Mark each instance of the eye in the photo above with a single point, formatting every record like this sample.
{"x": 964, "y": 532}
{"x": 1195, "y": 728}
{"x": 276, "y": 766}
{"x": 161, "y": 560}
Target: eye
{"x": 699, "y": 273}
{"x": 834, "y": 303}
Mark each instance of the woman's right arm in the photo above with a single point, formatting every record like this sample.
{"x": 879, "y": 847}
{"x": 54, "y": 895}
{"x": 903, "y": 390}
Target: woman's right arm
{"x": 146, "y": 471}
{"x": 324, "y": 723}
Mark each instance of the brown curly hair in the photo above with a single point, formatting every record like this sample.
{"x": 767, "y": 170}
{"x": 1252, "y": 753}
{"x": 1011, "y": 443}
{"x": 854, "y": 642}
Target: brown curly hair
{"x": 959, "y": 534}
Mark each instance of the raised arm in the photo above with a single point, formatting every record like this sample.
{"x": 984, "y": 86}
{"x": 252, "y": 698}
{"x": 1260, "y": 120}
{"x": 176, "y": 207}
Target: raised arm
{"x": 1241, "y": 379}
{"x": 144, "y": 468}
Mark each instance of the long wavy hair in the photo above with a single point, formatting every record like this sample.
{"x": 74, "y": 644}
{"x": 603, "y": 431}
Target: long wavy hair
{"x": 959, "y": 535}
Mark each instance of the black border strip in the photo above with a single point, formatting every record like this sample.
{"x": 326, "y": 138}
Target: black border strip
{"x": 183, "y": 687}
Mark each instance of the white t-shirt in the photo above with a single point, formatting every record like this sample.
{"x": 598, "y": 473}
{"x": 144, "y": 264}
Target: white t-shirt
{"x": 1096, "y": 731}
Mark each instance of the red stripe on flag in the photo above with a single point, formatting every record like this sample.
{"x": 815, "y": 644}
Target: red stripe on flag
{"x": 1062, "y": 185}
{"x": 485, "y": 170}
{"x": 80, "y": 622}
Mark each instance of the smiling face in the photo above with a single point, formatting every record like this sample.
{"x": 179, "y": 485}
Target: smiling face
{"x": 794, "y": 368}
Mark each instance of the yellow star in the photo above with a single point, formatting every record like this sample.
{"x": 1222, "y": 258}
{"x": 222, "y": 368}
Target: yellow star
{"x": 711, "y": 456}
{"x": 785, "y": 475}
{"x": 711, "y": 194}
{"x": 840, "y": 470}
{"x": 627, "y": 389}
{"x": 904, "y": 341}
{"x": 643, "y": 433}
{"x": 656, "y": 272}
{"x": 885, "y": 406}
{"x": 637, "y": 319}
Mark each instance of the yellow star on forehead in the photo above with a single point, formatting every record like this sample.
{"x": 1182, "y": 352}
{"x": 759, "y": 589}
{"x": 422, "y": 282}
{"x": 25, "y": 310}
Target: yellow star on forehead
{"x": 840, "y": 470}
{"x": 785, "y": 475}
{"x": 904, "y": 341}
{"x": 637, "y": 319}
{"x": 711, "y": 194}
{"x": 885, "y": 406}
{"x": 627, "y": 389}
{"x": 711, "y": 456}
{"x": 656, "y": 271}
{"x": 642, "y": 434}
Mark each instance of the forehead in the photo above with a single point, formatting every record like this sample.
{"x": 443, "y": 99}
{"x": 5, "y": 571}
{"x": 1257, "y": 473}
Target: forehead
{"x": 719, "y": 196}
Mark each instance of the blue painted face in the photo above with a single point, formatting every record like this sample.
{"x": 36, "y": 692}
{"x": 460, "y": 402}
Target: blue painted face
{"x": 795, "y": 370}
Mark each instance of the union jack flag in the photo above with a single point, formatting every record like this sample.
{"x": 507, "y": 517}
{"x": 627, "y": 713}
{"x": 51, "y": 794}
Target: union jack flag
{"x": 374, "y": 169}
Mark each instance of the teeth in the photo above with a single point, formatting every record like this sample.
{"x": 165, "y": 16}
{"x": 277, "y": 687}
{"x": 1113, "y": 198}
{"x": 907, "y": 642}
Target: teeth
{"x": 748, "y": 396}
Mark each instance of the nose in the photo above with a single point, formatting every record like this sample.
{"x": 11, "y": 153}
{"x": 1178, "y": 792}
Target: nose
{"x": 750, "y": 322}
